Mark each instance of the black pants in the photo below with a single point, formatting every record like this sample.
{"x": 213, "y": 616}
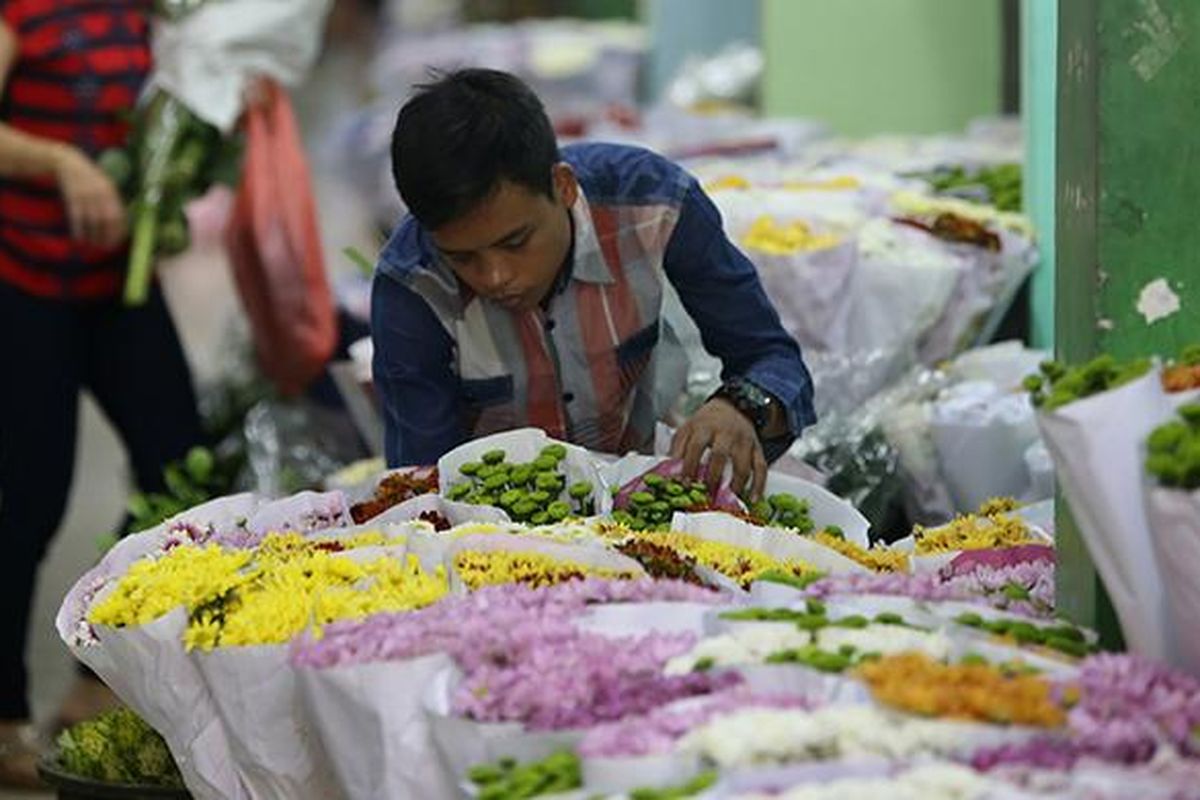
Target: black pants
{"x": 132, "y": 362}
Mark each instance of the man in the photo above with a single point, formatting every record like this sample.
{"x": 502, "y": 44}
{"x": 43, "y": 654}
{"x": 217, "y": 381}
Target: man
{"x": 526, "y": 287}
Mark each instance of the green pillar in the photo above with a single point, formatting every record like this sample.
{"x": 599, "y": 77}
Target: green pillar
{"x": 1128, "y": 181}
{"x": 1039, "y": 87}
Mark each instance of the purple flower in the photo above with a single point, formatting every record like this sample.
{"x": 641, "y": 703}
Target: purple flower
{"x": 919, "y": 586}
{"x": 489, "y": 624}
{"x": 970, "y": 560}
{"x": 1128, "y": 709}
{"x": 1129, "y": 705}
{"x": 1041, "y": 753}
{"x": 558, "y": 682}
{"x": 1025, "y": 587}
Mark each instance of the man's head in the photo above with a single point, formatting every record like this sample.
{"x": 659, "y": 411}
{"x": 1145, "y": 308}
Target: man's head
{"x": 476, "y": 162}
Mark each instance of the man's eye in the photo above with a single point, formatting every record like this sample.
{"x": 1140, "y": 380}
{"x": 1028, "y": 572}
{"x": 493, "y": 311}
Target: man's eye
{"x": 516, "y": 244}
{"x": 461, "y": 259}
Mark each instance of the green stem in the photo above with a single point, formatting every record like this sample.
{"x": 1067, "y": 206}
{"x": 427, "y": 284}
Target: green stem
{"x": 141, "y": 257}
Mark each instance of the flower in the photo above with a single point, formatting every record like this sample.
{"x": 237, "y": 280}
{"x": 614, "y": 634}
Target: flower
{"x": 773, "y": 238}
{"x": 282, "y": 598}
{"x": 771, "y": 736}
{"x": 1025, "y": 587}
{"x": 972, "y": 532}
{"x": 658, "y": 731}
{"x": 478, "y": 568}
{"x": 1128, "y": 706}
{"x": 934, "y": 781}
{"x": 916, "y": 683}
{"x": 185, "y": 575}
{"x": 878, "y": 559}
{"x": 466, "y": 626}
{"x": 577, "y": 680}
{"x": 746, "y": 644}
{"x": 970, "y": 560}
{"x": 919, "y": 586}
{"x": 742, "y": 564}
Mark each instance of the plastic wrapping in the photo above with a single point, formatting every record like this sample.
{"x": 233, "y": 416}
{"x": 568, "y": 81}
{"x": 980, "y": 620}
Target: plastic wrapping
{"x": 292, "y": 446}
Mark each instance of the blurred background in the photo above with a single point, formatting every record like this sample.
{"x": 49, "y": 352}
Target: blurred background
{"x": 886, "y": 164}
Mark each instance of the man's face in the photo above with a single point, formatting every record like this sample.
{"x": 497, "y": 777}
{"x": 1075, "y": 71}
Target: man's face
{"x": 510, "y": 247}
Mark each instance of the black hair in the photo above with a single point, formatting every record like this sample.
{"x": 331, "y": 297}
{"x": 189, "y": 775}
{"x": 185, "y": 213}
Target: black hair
{"x": 458, "y": 137}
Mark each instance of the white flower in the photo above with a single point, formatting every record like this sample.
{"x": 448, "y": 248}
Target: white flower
{"x": 940, "y": 781}
{"x": 757, "y": 736}
{"x": 885, "y": 640}
{"x": 746, "y": 644}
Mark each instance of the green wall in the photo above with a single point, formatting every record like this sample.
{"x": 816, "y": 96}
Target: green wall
{"x": 875, "y": 66}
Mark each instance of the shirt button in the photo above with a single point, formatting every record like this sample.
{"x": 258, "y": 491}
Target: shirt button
{"x": 568, "y": 397}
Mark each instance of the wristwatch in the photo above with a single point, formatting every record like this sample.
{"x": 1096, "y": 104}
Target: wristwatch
{"x": 756, "y": 405}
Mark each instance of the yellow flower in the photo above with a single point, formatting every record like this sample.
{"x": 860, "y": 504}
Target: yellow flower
{"x": 840, "y": 183}
{"x": 184, "y": 575}
{"x": 997, "y": 505}
{"x": 972, "y": 532}
{"x": 310, "y": 591}
{"x": 879, "y": 559}
{"x": 915, "y": 683}
{"x": 915, "y": 204}
{"x": 268, "y": 594}
{"x": 769, "y": 237}
{"x": 726, "y": 182}
{"x": 742, "y": 564}
{"x": 487, "y": 568}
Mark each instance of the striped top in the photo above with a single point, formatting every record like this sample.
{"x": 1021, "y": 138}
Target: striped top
{"x": 78, "y": 72}
{"x": 598, "y": 366}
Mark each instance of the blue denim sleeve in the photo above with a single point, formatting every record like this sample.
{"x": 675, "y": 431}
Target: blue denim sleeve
{"x": 720, "y": 289}
{"x": 413, "y": 375}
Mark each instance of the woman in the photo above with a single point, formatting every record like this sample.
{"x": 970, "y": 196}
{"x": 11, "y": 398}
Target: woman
{"x": 70, "y": 71}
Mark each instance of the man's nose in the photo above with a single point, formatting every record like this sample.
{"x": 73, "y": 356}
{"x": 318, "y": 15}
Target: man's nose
{"x": 497, "y": 274}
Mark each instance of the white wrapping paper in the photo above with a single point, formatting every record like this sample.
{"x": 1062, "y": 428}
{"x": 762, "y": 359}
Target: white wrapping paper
{"x": 173, "y": 698}
{"x": 371, "y": 721}
{"x": 1175, "y": 531}
{"x": 1097, "y": 446}
{"x": 274, "y": 745}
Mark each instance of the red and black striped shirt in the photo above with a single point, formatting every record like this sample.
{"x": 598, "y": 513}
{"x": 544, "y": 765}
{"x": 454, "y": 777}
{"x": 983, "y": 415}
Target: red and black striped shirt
{"x": 79, "y": 69}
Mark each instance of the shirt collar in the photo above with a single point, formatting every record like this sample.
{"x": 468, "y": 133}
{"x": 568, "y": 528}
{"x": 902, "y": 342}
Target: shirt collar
{"x": 588, "y": 264}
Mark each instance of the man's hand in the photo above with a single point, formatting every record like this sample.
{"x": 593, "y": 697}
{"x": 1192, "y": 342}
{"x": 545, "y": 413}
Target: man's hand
{"x": 94, "y": 206}
{"x": 722, "y": 430}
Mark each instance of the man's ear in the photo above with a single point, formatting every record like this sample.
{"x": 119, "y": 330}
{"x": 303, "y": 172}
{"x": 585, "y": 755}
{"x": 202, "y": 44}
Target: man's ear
{"x": 566, "y": 188}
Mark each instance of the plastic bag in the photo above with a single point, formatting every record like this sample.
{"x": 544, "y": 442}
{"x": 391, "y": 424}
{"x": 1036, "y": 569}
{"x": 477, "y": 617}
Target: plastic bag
{"x": 207, "y": 56}
{"x": 813, "y": 292}
{"x": 981, "y": 435}
{"x": 275, "y": 250}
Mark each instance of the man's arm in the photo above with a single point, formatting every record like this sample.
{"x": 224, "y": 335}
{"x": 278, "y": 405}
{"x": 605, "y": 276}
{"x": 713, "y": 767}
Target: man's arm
{"x": 413, "y": 352}
{"x": 721, "y": 291}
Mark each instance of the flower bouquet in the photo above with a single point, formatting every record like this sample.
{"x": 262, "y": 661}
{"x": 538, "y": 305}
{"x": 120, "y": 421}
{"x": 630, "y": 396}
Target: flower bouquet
{"x": 1173, "y": 508}
{"x": 1094, "y": 419}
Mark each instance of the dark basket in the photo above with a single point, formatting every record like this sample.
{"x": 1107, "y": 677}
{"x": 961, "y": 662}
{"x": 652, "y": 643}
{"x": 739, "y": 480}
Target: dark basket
{"x": 74, "y": 787}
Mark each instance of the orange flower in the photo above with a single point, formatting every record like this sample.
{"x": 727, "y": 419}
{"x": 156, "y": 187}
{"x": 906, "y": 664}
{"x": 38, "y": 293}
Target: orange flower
{"x": 915, "y": 683}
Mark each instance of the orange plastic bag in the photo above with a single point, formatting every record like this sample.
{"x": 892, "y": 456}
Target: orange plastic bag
{"x": 275, "y": 249}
